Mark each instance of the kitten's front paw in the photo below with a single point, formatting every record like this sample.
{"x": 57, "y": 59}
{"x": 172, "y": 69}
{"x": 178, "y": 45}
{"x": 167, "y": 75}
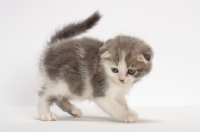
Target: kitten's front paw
{"x": 76, "y": 112}
{"x": 49, "y": 117}
{"x": 129, "y": 118}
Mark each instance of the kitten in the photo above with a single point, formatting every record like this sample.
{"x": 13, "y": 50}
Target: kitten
{"x": 89, "y": 69}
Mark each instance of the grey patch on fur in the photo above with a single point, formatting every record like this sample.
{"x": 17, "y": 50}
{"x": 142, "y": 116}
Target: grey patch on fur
{"x": 93, "y": 66}
{"x": 99, "y": 83}
{"x": 63, "y": 61}
{"x": 52, "y": 99}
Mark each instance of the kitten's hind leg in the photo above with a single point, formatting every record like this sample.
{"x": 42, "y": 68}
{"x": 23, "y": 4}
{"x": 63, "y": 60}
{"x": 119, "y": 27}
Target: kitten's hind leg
{"x": 68, "y": 107}
{"x": 44, "y": 104}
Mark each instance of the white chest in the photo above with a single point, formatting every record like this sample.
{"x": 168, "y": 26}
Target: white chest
{"x": 115, "y": 90}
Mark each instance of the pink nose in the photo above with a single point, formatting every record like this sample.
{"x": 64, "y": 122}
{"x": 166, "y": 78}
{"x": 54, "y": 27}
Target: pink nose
{"x": 121, "y": 80}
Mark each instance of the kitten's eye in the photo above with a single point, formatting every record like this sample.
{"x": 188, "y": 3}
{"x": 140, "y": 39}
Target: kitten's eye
{"x": 131, "y": 72}
{"x": 115, "y": 70}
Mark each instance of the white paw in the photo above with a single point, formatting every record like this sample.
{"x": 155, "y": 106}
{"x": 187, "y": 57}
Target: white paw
{"x": 76, "y": 112}
{"x": 49, "y": 117}
{"x": 129, "y": 118}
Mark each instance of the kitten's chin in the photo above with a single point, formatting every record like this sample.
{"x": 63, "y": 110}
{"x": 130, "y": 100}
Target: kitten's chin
{"x": 125, "y": 84}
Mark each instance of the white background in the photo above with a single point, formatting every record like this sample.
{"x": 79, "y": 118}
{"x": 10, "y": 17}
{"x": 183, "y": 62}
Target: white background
{"x": 171, "y": 27}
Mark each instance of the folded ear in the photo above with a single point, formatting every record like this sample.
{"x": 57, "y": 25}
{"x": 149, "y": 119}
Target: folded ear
{"x": 103, "y": 49}
{"x": 104, "y": 52}
{"x": 145, "y": 57}
{"x": 148, "y": 56}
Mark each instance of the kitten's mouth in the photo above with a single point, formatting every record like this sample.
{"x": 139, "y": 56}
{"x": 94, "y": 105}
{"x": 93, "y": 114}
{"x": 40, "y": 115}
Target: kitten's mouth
{"x": 122, "y": 83}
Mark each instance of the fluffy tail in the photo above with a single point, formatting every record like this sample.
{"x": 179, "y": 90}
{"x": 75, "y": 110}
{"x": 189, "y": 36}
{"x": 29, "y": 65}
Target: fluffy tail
{"x": 74, "y": 29}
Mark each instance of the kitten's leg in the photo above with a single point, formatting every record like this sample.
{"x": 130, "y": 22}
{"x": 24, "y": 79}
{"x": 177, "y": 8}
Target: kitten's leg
{"x": 122, "y": 101}
{"x": 68, "y": 107}
{"x": 115, "y": 109}
{"x": 44, "y": 109}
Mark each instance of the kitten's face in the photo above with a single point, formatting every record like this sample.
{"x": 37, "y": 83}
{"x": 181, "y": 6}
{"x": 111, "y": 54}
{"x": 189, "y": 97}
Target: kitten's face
{"x": 126, "y": 59}
{"x": 119, "y": 72}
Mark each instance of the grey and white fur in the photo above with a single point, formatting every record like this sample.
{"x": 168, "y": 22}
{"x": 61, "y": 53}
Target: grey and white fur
{"x": 89, "y": 69}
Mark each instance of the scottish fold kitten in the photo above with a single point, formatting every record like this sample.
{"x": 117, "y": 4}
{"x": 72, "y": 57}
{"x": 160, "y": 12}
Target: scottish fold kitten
{"x": 89, "y": 69}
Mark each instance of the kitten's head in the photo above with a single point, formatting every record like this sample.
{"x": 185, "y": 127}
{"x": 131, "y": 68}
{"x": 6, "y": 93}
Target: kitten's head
{"x": 126, "y": 59}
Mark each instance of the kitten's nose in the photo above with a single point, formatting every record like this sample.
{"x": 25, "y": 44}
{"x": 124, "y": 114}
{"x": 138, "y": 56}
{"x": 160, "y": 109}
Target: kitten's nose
{"x": 121, "y": 80}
